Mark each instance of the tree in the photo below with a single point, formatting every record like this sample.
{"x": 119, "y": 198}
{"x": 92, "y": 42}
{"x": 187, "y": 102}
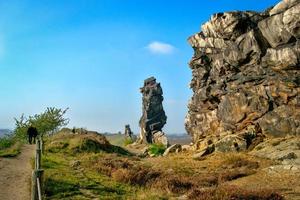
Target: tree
{"x": 46, "y": 123}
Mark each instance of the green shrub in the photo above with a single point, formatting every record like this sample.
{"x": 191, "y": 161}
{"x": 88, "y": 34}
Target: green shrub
{"x": 11, "y": 151}
{"x": 6, "y": 141}
{"x": 128, "y": 141}
{"x": 157, "y": 149}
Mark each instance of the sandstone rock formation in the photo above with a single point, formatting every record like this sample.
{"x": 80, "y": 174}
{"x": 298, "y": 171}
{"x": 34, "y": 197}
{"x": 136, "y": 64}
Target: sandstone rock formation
{"x": 153, "y": 118}
{"x": 246, "y": 76}
{"x": 285, "y": 151}
{"x": 128, "y": 133}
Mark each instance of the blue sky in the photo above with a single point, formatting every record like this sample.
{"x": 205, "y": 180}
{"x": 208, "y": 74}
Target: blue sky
{"x": 93, "y": 55}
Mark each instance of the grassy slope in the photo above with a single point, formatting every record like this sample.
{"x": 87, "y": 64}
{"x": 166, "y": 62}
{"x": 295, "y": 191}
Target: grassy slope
{"x": 103, "y": 175}
{"x": 116, "y": 139}
{"x": 11, "y": 151}
{"x": 64, "y": 180}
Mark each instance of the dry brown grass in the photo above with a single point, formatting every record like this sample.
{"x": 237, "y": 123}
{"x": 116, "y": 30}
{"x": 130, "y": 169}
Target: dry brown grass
{"x": 233, "y": 193}
{"x": 154, "y": 173}
{"x": 171, "y": 176}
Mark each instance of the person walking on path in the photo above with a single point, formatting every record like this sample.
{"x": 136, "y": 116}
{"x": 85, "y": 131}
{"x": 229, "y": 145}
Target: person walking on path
{"x": 32, "y": 133}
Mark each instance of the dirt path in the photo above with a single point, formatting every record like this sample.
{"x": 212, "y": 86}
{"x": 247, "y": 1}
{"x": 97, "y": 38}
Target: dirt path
{"x": 15, "y": 175}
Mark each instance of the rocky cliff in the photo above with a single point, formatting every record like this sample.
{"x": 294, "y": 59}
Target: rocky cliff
{"x": 246, "y": 74}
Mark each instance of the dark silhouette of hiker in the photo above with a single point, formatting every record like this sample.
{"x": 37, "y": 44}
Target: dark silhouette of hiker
{"x": 32, "y": 133}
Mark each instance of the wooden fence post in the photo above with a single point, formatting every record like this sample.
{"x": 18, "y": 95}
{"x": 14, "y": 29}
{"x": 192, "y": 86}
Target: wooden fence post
{"x": 37, "y": 184}
{"x": 42, "y": 145}
{"x": 33, "y": 186}
{"x": 38, "y": 155}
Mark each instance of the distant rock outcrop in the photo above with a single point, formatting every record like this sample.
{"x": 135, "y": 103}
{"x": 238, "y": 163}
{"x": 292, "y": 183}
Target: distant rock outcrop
{"x": 154, "y": 117}
{"x": 128, "y": 133}
{"x": 246, "y": 77}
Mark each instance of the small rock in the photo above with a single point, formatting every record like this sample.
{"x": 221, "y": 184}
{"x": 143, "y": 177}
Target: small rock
{"x": 288, "y": 156}
{"x": 160, "y": 138}
{"x": 75, "y": 163}
{"x": 231, "y": 143}
{"x": 144, "y": 153}
{"x": 205, "y": 152}
{"x": 186, "y": 147}
{"x": 173, "y": 148}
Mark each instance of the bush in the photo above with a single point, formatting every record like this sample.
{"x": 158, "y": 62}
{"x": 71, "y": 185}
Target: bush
{"x": 157, "y": 149}
{"x": 6, "y": 141}
{"x": 128, "y": 141}
{"x": 11, "y": 151}
{"x": 46, "y": 123}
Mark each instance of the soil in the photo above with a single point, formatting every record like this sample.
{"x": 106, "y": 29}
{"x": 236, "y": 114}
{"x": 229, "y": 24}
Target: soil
{"x": 15, "y": 175}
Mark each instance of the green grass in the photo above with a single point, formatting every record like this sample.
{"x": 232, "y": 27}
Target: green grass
{"x": 62, "y": 181}
{"x": 11, "y": 151}
{"x": 116, "y": 139}
{"x": 127, "y": 141}
{"x": 6, "y": 142}
{"x": 157, "y": 149}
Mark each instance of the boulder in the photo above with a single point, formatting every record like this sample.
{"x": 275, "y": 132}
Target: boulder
{"x": 160, "y": 138}
{"x": 172, "y": 149}
{"x": 208, "y": 150}
{"x": 286, "y": 150}
{"x": 144, "y": 152}
{"x": 186, "y": 147}
{"x": 231, "y": 143}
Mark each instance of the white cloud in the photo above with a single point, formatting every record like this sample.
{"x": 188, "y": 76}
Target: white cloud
{"x": 160, "y": 48}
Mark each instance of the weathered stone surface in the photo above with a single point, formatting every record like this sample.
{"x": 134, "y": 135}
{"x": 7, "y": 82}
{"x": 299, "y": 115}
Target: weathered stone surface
{"x": 245, "y": 49}
{"x": 153, "y": 118}
{"x": 208, "y": 150}
{"x": 144, "y": 152}
{"x": 284, "y": 150}
{"x": 231, "y": 143}
{"x": 246, "y": 73}
{"x": 229, "y": 25}
{"x": 283, "y": 120}
{"x": 234, "y": 108}
{"x": 283, "y": 58}
{"x": 282, "y": 6}
{"x": 128, "y": 133}
{"x": 172, "y": 149}
{"x": 186, "y": 147}
{"x": 274, "y": 31}
{"x": 291, "y": 20}
{"x": 160, "y": 138}
{"x": 281, "y": 28}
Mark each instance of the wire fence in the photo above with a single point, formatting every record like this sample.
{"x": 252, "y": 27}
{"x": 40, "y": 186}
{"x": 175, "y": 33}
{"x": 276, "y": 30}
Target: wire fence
{"x": 37, "y": 173}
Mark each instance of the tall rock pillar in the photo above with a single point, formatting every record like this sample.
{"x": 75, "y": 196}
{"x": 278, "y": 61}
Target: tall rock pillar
{"x": 153, "y": 117}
